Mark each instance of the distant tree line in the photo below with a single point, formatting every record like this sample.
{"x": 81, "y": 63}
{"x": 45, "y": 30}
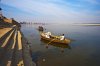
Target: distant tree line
{"x": 37, "y": 23}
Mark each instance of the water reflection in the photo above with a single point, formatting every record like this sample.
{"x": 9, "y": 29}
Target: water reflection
{"x": 60, "y": 46}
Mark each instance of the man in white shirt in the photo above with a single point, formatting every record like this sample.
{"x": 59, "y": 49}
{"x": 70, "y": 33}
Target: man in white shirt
{"x": 48, "y": 34}
{"x": 62, "y": 37}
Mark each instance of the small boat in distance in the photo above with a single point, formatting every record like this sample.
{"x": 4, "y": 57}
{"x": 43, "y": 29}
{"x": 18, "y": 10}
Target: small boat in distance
{"x": 40, "y": 28}
{"x": 54, "y": 39}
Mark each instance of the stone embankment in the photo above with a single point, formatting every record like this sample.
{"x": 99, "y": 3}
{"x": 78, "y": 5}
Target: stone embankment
{"x": 14, "y": 50}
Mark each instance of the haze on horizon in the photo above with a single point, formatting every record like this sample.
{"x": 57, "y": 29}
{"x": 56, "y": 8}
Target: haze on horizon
{"x": 51, "y": 11}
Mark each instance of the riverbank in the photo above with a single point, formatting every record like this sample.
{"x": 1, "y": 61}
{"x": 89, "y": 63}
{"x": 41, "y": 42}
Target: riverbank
{"x": 14, "y": 50}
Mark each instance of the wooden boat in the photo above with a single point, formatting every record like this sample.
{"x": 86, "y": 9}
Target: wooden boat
{"x": 54, "y": 39}
{"x": 59, "y": 45}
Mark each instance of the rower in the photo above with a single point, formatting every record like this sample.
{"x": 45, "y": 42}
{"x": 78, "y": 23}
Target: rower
{"x": 62, "y": 37}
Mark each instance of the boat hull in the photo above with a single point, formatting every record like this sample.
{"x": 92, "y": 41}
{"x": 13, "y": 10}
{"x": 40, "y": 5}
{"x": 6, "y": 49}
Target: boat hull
{"x": 56, "y": 40}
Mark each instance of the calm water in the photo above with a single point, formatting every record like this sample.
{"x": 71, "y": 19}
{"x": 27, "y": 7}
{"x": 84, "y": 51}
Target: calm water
{"x": 83, "y": 51}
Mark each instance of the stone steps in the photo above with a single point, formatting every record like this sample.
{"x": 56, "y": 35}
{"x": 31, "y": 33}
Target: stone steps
{"x": 2, "y": 39}
{"x": 7, "y": 56}
{"x": 4, "y": 31}
{"x": 14, "y": 51}
{"x": 6, "y": 49}
{"x": 18, "y": 56}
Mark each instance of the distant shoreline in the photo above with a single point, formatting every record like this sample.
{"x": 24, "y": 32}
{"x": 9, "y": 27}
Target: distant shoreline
{"x": 76, "y": 24}
{"x": 87, "y": 24}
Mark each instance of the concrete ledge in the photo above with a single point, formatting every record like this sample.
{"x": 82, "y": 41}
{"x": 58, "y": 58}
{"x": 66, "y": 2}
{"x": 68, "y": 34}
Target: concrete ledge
{"x": 26, "y": 53}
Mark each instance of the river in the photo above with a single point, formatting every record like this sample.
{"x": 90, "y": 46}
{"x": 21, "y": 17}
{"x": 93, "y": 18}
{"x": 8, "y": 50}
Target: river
{"x": 84, "y": 50}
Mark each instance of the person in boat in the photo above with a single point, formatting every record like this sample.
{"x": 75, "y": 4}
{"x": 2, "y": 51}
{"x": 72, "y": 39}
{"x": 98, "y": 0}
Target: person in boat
{"x": 62, "y": 37}
{"x": 48, "y": 34}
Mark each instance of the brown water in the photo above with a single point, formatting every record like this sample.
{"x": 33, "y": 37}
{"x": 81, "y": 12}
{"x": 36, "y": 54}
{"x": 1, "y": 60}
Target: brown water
{"x": 83, "y": 51}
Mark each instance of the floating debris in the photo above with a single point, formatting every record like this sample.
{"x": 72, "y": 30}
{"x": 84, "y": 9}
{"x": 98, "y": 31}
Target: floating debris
{"x": 43, "y": 59}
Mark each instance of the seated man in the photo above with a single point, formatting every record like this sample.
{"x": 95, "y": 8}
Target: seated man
{"x": 62, "y": 37}
{"x": 48, "y": 34}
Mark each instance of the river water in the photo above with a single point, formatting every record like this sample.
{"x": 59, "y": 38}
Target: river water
{"x": 84, "y": 50}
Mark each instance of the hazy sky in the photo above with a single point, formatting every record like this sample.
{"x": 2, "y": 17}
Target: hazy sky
{"x": 67, "y": 11}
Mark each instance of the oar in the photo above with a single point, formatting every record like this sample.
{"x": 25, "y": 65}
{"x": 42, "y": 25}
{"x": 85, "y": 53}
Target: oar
{"x": 51, "y": 41}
